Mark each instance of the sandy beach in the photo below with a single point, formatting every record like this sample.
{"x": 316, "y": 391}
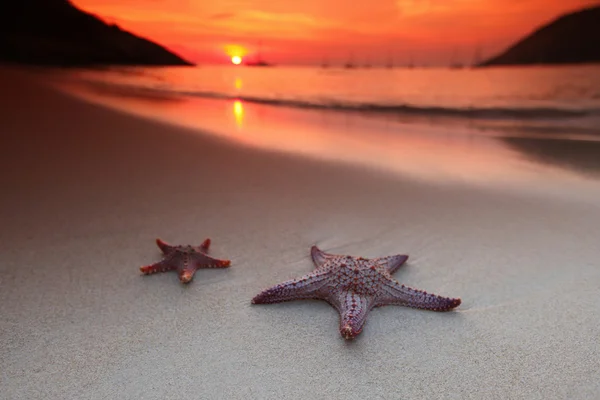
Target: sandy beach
{"x": 86, "y": 190}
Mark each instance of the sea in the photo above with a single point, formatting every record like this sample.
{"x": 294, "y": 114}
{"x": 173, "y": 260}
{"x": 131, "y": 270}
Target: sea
{"x": 537, "y": 97}
{"x": 522, "y": 125}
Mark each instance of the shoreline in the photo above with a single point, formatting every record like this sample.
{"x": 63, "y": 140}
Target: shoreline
{"x": 431, "y": 154}
{"x": 89, "y": 189}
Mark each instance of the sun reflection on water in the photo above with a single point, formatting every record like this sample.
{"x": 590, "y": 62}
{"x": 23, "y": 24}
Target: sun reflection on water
{"x": 238, "y": 83}
{"x": 238, "y": 113}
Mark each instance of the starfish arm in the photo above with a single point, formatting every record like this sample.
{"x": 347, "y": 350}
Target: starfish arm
{"x": 392, "y": 263}
{"x": 396, "y": 294}
{"x": 161, "y": 266}
{"x": 353, "y": 310}
{"x": 318, "y": 256}
{"x": 186, "y": 274}
{"x": 204, "y": 261}
{"x": 205, "y": 245}
{"x": 306, "y": 287}
{"x": 164, "y": 247}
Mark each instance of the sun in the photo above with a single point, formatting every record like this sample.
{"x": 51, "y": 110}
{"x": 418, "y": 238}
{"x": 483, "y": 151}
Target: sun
{"x": 236, "y": 53}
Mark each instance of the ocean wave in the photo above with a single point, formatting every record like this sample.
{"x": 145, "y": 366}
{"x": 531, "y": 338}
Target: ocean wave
{"x": 407, "y": 109}
{"x": 500, "y": 113}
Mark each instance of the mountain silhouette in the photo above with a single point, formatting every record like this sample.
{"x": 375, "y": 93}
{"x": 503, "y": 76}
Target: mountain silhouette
{"x": 571, "y": 39}
{"x": 55, "y": 32}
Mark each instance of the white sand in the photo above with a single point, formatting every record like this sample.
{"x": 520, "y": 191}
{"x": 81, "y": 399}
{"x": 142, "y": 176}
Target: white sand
{"x": 86, "y": 190}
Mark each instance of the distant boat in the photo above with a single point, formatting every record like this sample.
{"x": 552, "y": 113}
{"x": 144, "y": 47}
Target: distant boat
{"x": 455, "y": 64}
{"x": 411, "y": 63}
{"x": 349, "y": 64}
{"x": 258, "y": 62}
{"x": 476, "y": 57}
{"x": 390, "y": 62}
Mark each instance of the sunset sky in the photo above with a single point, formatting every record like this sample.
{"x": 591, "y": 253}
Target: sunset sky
{"x": 430, "y": 32}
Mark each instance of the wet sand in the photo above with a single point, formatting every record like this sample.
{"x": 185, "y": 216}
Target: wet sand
{"x": 87, "y": 189}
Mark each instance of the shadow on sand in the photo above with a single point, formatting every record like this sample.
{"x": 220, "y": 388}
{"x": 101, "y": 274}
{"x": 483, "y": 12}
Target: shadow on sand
{"x": 579, "y": 156}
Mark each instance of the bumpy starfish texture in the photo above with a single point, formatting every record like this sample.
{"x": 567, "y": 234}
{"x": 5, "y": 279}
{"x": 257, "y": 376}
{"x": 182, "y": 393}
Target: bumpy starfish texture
{"x": 353, "y": 286}
{"x": 185, "y": 259}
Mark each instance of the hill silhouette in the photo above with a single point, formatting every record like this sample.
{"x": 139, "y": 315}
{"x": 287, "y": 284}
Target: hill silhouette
{"x": 55, "y": 32}
{"x": 572, "y": 38}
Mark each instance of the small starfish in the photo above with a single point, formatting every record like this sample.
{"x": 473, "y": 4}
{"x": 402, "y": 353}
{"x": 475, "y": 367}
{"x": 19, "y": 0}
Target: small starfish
{"x": 185, "y": 259}
{"x": 353, "y": 286}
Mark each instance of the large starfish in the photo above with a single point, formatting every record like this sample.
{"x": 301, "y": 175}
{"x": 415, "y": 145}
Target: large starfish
{"x": 185, "y": 259}
{"x": 354, "y": 285}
